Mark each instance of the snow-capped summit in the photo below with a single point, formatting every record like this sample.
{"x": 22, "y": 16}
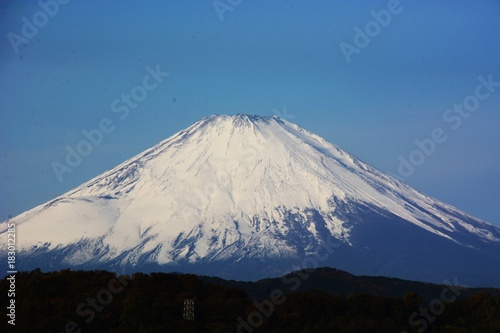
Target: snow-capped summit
{"x": 247, "y": 197}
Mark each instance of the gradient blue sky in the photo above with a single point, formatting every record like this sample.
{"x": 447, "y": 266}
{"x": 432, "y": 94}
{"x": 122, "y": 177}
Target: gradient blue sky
{"x": 264, "y": 55}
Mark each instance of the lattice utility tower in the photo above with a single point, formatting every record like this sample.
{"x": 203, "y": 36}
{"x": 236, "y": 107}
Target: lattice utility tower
{"x": 188, "y": 309}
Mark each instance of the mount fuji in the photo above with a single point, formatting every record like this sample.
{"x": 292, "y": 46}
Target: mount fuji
{"x": 248, "y": 197}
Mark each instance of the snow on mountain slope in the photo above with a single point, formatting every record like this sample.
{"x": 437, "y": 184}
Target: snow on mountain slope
{"x": 238, "y": 189}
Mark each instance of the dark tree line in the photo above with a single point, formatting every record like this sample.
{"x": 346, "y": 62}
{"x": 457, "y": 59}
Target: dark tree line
{"x": 98, "y": 301}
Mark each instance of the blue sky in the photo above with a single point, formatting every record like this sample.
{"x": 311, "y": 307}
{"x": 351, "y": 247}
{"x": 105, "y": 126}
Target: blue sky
{"x": 257, "y": 57}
